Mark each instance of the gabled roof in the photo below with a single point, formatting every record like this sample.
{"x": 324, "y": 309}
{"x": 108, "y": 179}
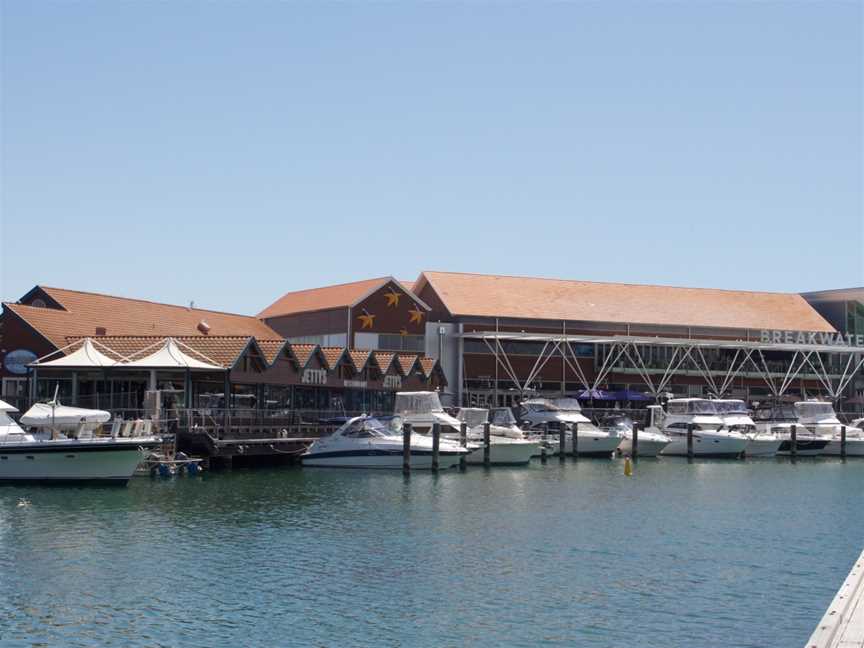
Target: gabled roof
{"x": 344, "y": 295}
{"x": 384, "y": 359}
{"x": 271, "y": 349}
{"x": 557, "y": 299}
{"x": 406, "y": 362}
{"x": 360, "y": 358}
{"x": 332, "y": 355}
{"x": 82, "y": 313}
{"x": 303, "y": 353}
{"x": 427, "y": 365}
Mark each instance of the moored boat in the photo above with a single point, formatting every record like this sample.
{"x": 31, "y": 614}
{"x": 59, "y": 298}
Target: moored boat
{"x": 710, "y": 439}
{"x": 62, "y": 445}
{"x": 504, "y": 448}
{"x": 369, "y": 442}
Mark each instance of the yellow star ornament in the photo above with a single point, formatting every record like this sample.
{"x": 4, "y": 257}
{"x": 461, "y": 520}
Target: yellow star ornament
{"x": 416, "y": 316}
{"x": 392, "y": 298}
{"x": 366, "y": 320}
{"x": 403, "y": 331}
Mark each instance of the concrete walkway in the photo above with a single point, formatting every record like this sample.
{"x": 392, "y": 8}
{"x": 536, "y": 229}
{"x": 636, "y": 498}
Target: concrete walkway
{"x": 842, "y": 626}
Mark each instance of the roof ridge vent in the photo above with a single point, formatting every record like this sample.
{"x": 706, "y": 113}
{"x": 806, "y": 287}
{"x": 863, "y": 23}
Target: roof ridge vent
{"x": 204, "y": 327}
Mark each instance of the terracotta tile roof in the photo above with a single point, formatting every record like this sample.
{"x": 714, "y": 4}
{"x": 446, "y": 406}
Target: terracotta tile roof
{"x": 384, "y": 359}
{"x": 406, "y": 363}
{"x": 332, "y": 356}
{"x": 221, "y": 350}
{"x": 303, "y": 353}
{"x": 338, "y": 296}
{"x": 556, "y": 299}
{"x": 121, "y": 316}
{"x": 360, "y": 358}
{"x": 427, "y": 365}
{"x": 271, "y": 348}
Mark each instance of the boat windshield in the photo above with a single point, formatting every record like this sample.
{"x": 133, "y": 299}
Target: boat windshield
{"x": 417, "y": 403}
{"x": 370, "y": 427}
{"x": 776, "y": 413}
{"x": 731, "y": 407}
{"x": 568, "y": 404}
{"x": 502, "y": 417}
{"x": 616, "y": 422}
{"x": 813, "y": 410}
{"x": 473, "y": 416}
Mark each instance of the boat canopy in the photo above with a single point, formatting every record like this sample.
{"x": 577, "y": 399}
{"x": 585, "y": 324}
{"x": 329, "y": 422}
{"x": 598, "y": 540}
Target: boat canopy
{"x": 502, "y": 417}
{"x": 473, "y": 416}
{"x": 814, "y": 409}
{"x": 6, "y": 407}
{"x": 417, "y": 403}
{"x": 86, "y": 355}
{"x": 731, "y": 406}
{"x": 171, "y": 356}
{"x": 567, "y": 404}
{"x": 691, "y": 406}
{"x": 47, "y": 415}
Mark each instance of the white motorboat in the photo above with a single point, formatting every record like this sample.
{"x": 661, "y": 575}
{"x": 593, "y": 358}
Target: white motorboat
{"x": 821, "y": 419}
{"x": 710, "y": 438}
{"x": 651, "y": 442}
{"x": 62, "y": 445}
{"x": 547, "y": 415}
{"x": 778, "y": 419}
{"x": 504, "y": 448}
{"x": 736, "y": 417}
{"x": 368, "y": 442}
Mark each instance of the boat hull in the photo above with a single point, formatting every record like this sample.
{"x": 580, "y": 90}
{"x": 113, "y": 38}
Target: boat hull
{"x": 854, "y": 448}
{"x": 381, "y": 459}
{"x": 69, "y": 464}
{"x": 506, "y": 453}
{"x": 647, "y": 448}
{"x": 709, "y": 447}
{"x": 598, "y": 447}
{"x": 805, "y": 447}
{"x": 762, "y": 447}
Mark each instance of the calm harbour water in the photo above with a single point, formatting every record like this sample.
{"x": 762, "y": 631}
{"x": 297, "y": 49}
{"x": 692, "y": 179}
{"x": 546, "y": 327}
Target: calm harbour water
{"x": 709, "y": 554}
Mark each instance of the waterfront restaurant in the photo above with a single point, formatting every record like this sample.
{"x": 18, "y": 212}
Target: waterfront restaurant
{"x": 500, "y": 338}
{"x": 117, "y": 353}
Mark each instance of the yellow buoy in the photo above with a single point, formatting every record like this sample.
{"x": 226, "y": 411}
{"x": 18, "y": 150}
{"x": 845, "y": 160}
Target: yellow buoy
{"x": 628, "y": 467}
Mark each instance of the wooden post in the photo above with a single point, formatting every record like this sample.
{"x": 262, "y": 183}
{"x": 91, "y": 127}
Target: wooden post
{"x": 794, "y": 441}
{"x": 562, "y": 442}
{"x": 842, "y": 441}
{"x": 436, "y": 444}
{"x": 634, "y": 443}
{"x": 575, "y": 428}
{"x": 406, "y": 449}
{"x": 463, "y": 441}
{"x": 487, "y": 444}
{"x": 689, "y": 440}
{"x": 543, "y": 445}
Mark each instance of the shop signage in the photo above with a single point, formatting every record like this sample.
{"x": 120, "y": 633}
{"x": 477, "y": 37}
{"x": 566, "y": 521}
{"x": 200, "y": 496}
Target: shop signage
{"x": 314, "y": 377}
{"x": 16, "y": 361}
{"x": 360, "y": 384}
{"x": 800, "y": 337}
{"x": 392, "y": 382}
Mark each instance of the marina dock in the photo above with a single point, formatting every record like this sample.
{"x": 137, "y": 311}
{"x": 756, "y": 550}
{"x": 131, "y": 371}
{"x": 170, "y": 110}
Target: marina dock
{"x": 842, "y": 626}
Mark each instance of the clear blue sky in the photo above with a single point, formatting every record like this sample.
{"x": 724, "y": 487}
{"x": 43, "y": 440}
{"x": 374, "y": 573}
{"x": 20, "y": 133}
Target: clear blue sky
{"x": 229, "y": 152}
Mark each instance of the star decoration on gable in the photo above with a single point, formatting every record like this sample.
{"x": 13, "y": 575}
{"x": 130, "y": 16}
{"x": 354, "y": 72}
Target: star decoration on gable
{"x": 366, "y": 320}
{"x": 416, "y": 316}
{"x": 392, "y": 298}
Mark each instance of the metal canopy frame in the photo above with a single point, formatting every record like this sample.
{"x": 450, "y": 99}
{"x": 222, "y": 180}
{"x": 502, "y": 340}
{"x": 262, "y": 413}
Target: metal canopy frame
{"x": 684, "y": 350}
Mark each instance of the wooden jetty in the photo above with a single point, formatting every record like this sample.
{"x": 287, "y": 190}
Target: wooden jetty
{"x": 842, "y": 626}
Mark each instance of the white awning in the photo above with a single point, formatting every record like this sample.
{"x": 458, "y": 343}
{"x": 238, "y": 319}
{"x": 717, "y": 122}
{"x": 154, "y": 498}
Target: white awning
{"x": 170, "y": 356}
{"x": 46, "y": 415}
{"x": 87, "y": 355}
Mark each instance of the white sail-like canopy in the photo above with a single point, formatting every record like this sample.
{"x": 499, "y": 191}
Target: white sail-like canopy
{"x": 171, "y": 356}
{"x": 6, "y": 407}
{"x": 87, "y": 355}
{"x": 46, "y": 415}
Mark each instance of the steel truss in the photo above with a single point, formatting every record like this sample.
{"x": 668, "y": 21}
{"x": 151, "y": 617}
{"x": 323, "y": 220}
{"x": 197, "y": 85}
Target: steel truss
{"x": 686, "y": 354}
